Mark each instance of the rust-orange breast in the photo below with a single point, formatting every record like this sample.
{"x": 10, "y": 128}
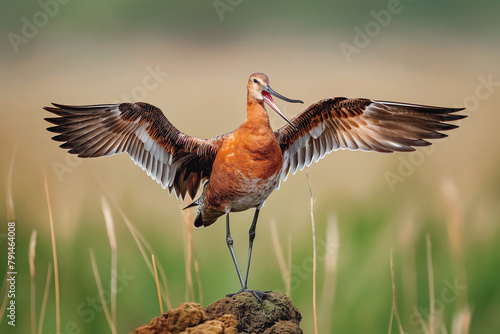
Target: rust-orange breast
{"x": 246, "y": 169}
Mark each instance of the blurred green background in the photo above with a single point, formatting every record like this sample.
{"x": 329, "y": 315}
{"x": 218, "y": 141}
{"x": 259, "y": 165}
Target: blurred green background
{"x": 192, "y": 59}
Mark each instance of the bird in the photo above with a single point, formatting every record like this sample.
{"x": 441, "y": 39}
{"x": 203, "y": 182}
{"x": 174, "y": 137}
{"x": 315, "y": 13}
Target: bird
{"x": 238, "y": 170}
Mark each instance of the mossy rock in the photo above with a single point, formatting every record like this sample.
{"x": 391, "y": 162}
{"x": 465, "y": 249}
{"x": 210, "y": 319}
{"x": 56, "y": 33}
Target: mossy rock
{"x": 241, "y": 313}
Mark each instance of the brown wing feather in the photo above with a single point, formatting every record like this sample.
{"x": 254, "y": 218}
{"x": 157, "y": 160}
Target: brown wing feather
{"x": 359, "y": 124}
{"x": 175, "y": 160}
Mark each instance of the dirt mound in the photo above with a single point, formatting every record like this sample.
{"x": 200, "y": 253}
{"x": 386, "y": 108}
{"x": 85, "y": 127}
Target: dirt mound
{"x": 241, "y": 313}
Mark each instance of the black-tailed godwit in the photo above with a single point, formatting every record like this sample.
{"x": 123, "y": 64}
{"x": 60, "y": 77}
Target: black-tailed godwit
{"x": 244, "y": 166}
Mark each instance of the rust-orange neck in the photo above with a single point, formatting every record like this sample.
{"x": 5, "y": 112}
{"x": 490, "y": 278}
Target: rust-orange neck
{"x": 256, "y": 113}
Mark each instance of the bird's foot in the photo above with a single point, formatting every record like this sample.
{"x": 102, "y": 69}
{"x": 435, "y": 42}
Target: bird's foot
{"x": 257, "y": 293}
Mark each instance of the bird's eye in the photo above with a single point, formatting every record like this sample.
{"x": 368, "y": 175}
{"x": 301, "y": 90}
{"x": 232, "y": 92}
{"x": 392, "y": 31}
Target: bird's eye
{"x": 255, "y": 80}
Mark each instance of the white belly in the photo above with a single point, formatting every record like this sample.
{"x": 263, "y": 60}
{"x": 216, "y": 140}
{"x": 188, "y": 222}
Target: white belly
{"x": 253, "y": 192}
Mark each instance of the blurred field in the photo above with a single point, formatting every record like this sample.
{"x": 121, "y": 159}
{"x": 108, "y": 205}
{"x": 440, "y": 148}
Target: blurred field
{"x": 450, "y": 192}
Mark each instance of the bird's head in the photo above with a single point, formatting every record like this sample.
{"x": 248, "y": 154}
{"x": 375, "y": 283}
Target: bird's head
{"x": 259, "y": 90}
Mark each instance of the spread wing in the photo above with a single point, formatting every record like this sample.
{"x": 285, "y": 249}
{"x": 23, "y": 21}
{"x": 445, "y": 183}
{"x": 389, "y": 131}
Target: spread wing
{"x": 175, "y": 160}
{"x": 359, "y": 124}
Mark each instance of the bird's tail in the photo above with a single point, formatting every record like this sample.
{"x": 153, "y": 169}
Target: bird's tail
{"x": 198, "y": 221}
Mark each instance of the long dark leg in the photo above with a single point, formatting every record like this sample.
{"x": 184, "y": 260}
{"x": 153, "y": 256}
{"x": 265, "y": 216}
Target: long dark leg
{"x": 251, "y": 235}
{"x": 229, "y": 242}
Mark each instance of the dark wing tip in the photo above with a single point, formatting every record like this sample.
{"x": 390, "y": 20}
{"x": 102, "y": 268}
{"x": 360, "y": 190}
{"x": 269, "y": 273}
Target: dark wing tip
{"x": 447, "y": 110}
{"x": 454, "y": 117}
{"x": 51, "y": 109}
{"x": 48, "y": 107}
{"x": 457, "y": 117}
{"x": 56, "y": 107}
{"x": 53, "y": 120}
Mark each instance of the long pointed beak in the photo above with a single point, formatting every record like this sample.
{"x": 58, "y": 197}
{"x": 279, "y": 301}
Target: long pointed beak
{"x": 266, "y": 94}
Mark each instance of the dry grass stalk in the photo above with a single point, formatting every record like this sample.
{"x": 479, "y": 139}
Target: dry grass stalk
{"x": 31, "y": 260}
{"x": 138, "y": 240}
{"x": 108, "y": 218}
{"x": 314, "y": 253}
{"x": 166, "y": 294}
{"x": 157, "y": 283}
{"x": 394, "y": 300}
{"x": 331, "y": 256}
{"x": 163, "y": 277}
{"x": 289, "y": 263}
{"x": 285, "y": 270}
{"x": 408, "y": 234}
{"x": 101, "y": 293}
{"x": 455, "y": 224}
{"x": 187, "y": 231}
{"x": 189, "y": 218}
{"x": 430, "y": 272}
{"x": 45, "y": 299}
{"x": 198, "y": 278}
{"x": 142, "y": 244}
{"x": 54, "y": 255}
{"x": 190, "y": 257}
{"x": 421, "y": 320}
{"x": 455, "y": 214}
{"x": 461, "y": 322}
{"x": 10, "y": 218}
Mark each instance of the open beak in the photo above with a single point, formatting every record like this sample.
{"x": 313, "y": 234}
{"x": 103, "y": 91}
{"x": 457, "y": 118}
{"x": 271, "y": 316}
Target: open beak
{"x": 266, "y": 94}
